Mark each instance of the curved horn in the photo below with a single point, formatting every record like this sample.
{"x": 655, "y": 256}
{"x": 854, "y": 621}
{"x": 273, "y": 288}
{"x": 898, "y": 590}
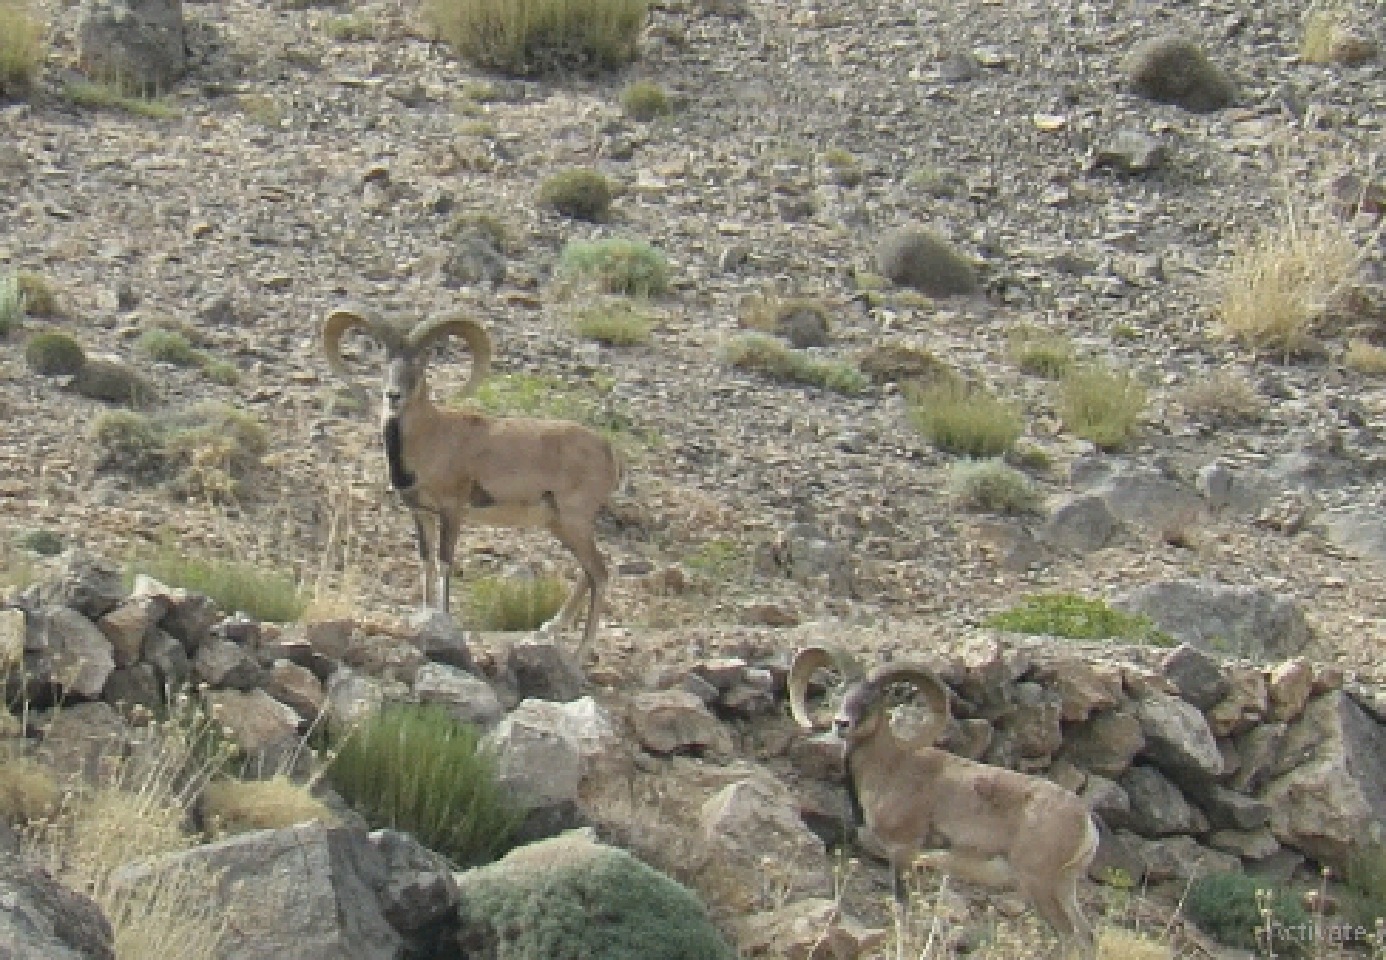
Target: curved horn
{"x": 806, "y": 663}
{"x": 338, "y": 323}
{"x": 472, "y": 333}
{"x": 934, "y": 690}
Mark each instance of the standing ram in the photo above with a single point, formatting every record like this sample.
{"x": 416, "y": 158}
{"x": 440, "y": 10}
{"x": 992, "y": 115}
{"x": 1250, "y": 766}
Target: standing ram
{"x": 925, "y": 805}
{"x": 456, "y": 466}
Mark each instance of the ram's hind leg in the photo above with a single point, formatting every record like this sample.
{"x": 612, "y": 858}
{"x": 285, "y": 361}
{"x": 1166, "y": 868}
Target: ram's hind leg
{"x": 448, "y": 528}
{"x": 579, "y": 538}
{"x": 427, "y": 556}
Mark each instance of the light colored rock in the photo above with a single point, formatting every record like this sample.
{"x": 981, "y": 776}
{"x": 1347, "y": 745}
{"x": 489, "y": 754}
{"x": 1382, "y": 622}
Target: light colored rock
{"x": 467, "y": 698}
{"x": 12, "y": 639}
{"x": 128, "y": 624}
{"x": 1082, "y": 523}
{"x": 222, "y": 663}
{"x": 42, "y": 919}
{"x": 76, "y": 655}
{"x": 675, "y": 721}
{"x": 1243, "y": 706}
{"x": 1247, "y": 621}
{"x": 814, "y": 929}
{"x": 296, "y": 687}
{"x": 255, "y": 721}
{"x": 1084, "y": 688}
{"x": 1177, "y": 737}
{"x": 757, "y": 839}
{"x": 1105, "y": 744}
{"x": 1288, "y": 688}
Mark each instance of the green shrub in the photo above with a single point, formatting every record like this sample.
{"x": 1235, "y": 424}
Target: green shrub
{"x": 566, "y": 897}
{"x": 235, "y": 587}
{"x": 526, "y": 36}
{"x": 919, "y": 258}
{"x": 629, "y": 267}
{"x": 803, "y": 321}
{"x": 219, "y": 371}
{"x": 966, "y": 421}
{"x": 39, "y": 298}
{"x": 771, "y": 358}
{"x": 1102, "y": 406}
{"x": 1077, "y": 618}
{"x": 1364, "y": 901}
{"x": 109, "y": 96}
{"x": 11, "y": 304}
{"x": 842, "y": 166}
{"x": 169, "y": 346}
{"x": 21, "y": 47}
{"x": 644, "y": 100}
{"x": 514, "y": 603}
{"x": 415, "y": 768}
{"x": 1040, "y": 353}
{"x": 112, "y": 381}
{"x": 616, "y": 323}
{"x": 129, "y": 443}
{"x": 579, "y": 192}
{"x": 54, "y": 354}
{"x": 46, "y": 543}
{"x": 1230, "y": 906}
{"x": 905, "y": 363}
{"x": 217, "y": 445}
{"x": 991, "y": 485}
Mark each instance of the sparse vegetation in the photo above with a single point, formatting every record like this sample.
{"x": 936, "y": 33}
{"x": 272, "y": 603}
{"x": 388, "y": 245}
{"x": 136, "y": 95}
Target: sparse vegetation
{"x": 919, "y": 258}
{"x": 1221, "y": 399}
{"x": 206, "y": 450}
{"x": 771, "y": 358}
{"x": 1365, "y": 898}
{"x": 644, "y": 100}
{"x": 40, "y": 300}
{"x": 968, "y": 421}
{"x": 1365, "y": 358}
{"x": 1237, "y": 908}
{"x": 109, "y": 96}
{"x": 415, "y": 768}
{"x": 904, "y": 363}
{"x": 1076, "y": 618}
{"x": 233, "y": 806}
{"x": 21, "y": 47}
{"x": 28, "y": 791}
{"x": 803, "y": 321}
{"x": 128, "y": 442}
{"x": 513, "y": 603}
{"x": 1040, "y": 353}
{"x": 842, "y": 167}
{"x": 44, "y": 542}
{"x": 618, "y": 266}
{"x": 112, "y": 381}
{"x": 528, "y": 36}
{"x": 251, "y": 588}
{"x": 350, "y": 28}
{"x": 11, "y": 304}
{"x": 616, "y": 322}
{"x": 991, "y": 485}
{"x": 1102, "y": 405}
{"x": 169, "y": 346}
{"x": 533, "y": 395}
{"x": 579, "y": 192}
{"x": 54, "y": 354}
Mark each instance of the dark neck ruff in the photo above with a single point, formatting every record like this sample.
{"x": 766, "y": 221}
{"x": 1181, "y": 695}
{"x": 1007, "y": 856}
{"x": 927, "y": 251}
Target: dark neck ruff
{"x": 400, "y": 477}
{"x": 853, "y": 798}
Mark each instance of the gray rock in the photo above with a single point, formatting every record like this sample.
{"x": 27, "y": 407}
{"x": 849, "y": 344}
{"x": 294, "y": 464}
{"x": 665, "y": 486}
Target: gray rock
{"x": 1177, "y": 738}
{"x": 1158, "y": 808}
{"x": 1197, "y": 676}
{"x": 40, "y": 918}
{"x": 137, "y": 44}
{"x": 314, "y": 893}
{"x": 190, "y": 616}
{"x": 543, "y": 670}
{"x": 1248, "y": 621}
{"x": 256, "y": 722}
{"x": 1152, "y": 499}
{"x": 72, "y": 653}
{"x": 1082, "y": 523}
{"x": 756, "y": 820}
{"x": 87, "y": 584}
{"x": 169, "y": 658}
{"x": 79, "y": 739}
{"x": 674, "y": 721}
{"x": 136, "y": 684}
{"x": 352, "y": 697}
{"x": 467, "y": 698}
{"x": 420, "y": 898}
{"x": 1360, "y": 532}
{"x": 1105, "y": 744}
{"x": 1132, "y": 151}
{"x": 221, "y": 663}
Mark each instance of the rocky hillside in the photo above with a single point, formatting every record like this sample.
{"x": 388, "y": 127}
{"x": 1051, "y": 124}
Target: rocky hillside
{"x": 315, "y": 154}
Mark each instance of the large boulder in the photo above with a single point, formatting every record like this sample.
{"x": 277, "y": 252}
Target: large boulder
{"x": 1248, "y": 621}
{"x": 757, "y": 839}
{"x": 39, "y": 917}
{"x": 1329, "y": 796}
{"x": 138, "y": 44}
{"x": 69, "y": 652}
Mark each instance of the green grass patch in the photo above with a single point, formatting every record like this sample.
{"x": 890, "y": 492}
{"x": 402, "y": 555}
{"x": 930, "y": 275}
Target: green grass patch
{"x": 992, "y": 486}
{"x": 169, "y": 346}
{"x": 12, "y": 304}
{"x": 40, "y": 300}
{"x": 718, "y": 559}
{"x": 632, "y": 268}
{"x": 1040, "y": 353}
{"x": 54, "y": 354}
{"x": 1238, "y": 910}
{"x": 415, "y": 768}
{"x": 267, "y": 595}
{"x": 513, "y": 603}
{"x": 968, "y": 421}
{"x": 592, "y": 403}
{"x": 21, "y": 47}
{"x": 644, "y": 100}
{"x": 579, "y": 192}
{"x": 1077, "y": 618}
{"x": 532, "y": 36}
{"x": 1101, "y": 405}
{"x": 614, "y": 322}
{"x": 105, "y": 96}
{"x": 771, "y": 358}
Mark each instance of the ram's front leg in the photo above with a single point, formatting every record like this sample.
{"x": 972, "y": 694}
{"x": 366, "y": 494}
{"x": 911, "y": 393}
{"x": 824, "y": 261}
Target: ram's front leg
{"x": 448, "y": 528}
{"x": 427, "y": 556}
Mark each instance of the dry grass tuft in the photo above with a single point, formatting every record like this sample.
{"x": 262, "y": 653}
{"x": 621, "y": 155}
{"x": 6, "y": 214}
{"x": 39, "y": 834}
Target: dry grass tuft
{"x": 1365, "y": 358}
{"x": 238, "y": 806}
{"x": 28, "y": 791}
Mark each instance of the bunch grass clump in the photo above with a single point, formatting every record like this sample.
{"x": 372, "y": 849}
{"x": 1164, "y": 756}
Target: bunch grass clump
{"x": 231, "y": 806}
{"x": 1221, "y": 399}
{"x": 112, "y": 96}
{"x": 170, "y": 346}
{"x": 1076, "y": 618}
{"x": 616, "y": 266}
{"x": 1365, "y": 358}
{"x": 1040, "y": 353}
{"x": 54, "y": 354}
{"x": 530, "y": 36}
{"x": 993, "y": 486}
{"x": 772, "y": 358}
{"x": 963, "y": 420}
{"x": 21, "y": 47}
{"x": 40, "y": 300}
{"x": 514, "y": 603}
{"x": 12, "y": 304}
{"x": 644, "y": 100}
{"x": 267, "y": 595}
{"x": 417, "y": 769}
{"x": 615, "y": 321}
{"x": 28, "y": 791}
{"x": 1101, "y": 405}
{"x": 579, "y": 192}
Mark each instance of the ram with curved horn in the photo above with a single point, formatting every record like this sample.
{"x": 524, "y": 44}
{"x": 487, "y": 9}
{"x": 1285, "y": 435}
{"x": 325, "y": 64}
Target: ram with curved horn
{"x": 924, "y": 805}
{"x": 454, "y": 466}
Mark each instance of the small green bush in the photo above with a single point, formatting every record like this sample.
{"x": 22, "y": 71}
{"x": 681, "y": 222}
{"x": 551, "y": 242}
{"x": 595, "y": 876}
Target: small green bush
{"x": 771, "y": 358}
{"x": 557, "y": 899}
{"x": 1364, "y": 901}
{"x": 803, "y": 321}
{"x": 993, "y": 486}
{"x": 528, "y": 36}
{"x": 21, "y": 47}
{"x": 620, "y": 266}
{"x": 129, "y": 443}
{"x": 11, "y": 304}
{"x": 1040, "y": 353}
{"x": 514, "y": 603}
{"x": 579, "y": 192}
{"x": 46, "y": 543}
{"x": 112, "y": 381}
{"x": 1230, "y": 905}
{"x": 415, "y": 768}
{"x": 1102, "y": 406}
{"x": 39, "y": 298}
{"x": 54, "y": 354}
{"x": 1077, "y": 618}
{"x": 967, "y": 421}
{"x": 644, "y": 100}
{"x": 842, "y": 166}
{"x": 266, "y": 595}
{"x": 614, "y": 322}
{"x": 221, "y": 372}
{"x": 919, "y": 258}
{"x": 169, "y": 346}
